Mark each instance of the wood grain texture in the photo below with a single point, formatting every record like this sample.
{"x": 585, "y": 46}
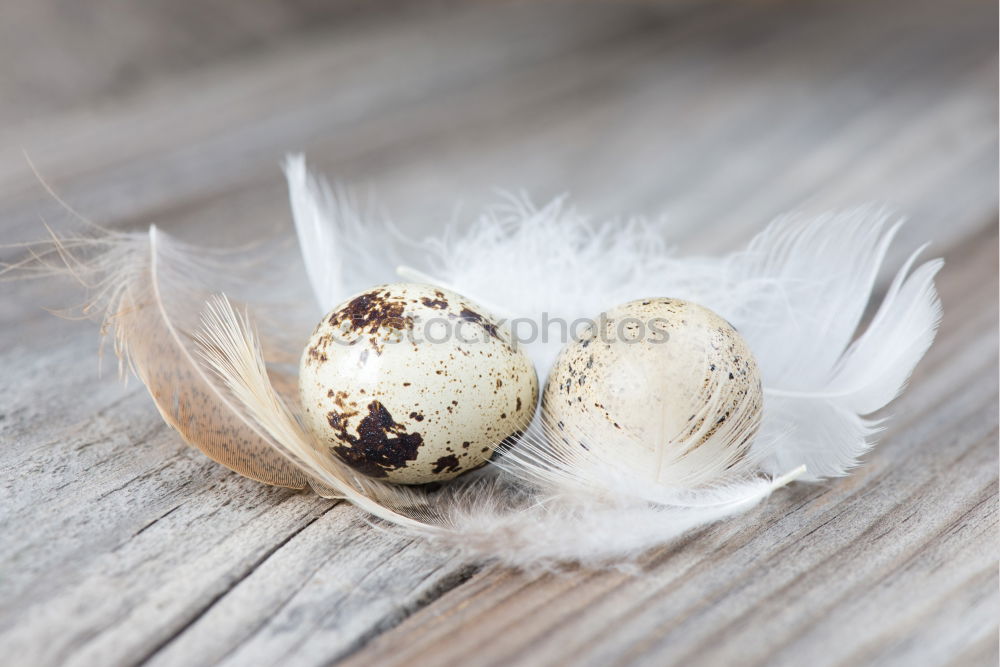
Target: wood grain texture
{"x": 122, "y": 546}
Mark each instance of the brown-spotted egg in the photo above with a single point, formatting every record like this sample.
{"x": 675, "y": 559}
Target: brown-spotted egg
{"x": 664, "y": 388}
{"x": 413, "y": 383}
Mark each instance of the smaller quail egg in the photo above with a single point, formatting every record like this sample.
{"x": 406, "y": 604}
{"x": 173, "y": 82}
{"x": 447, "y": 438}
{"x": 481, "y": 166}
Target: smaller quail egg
{"x": 665, "y": 388}
{"x": 413, "y": 384}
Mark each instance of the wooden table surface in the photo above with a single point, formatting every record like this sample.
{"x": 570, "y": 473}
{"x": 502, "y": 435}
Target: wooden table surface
{"x": 120, "y": 545}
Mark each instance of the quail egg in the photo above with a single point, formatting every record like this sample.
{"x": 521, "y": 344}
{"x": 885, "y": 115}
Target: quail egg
{"x": 665, "y": 388}
{"x": 413, "y": 384}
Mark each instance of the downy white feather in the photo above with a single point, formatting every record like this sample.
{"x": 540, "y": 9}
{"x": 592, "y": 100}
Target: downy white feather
{"x": 797, "y": 294}
{"x": 531, "y": 530}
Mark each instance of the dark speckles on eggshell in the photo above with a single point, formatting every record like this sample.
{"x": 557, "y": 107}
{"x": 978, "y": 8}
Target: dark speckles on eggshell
{"x": 380, "y": 444}
{"x": 372, "y": 310}
{"x": 447, "y": 463}
{"x": 437, "y": 303}
{"x": 488, "y": 326}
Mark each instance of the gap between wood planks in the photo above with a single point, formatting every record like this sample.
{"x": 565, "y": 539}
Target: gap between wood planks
{"x": 221, "y": 594}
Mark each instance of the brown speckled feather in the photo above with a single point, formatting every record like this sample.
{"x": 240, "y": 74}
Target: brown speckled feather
{"x": 147, "y": 291}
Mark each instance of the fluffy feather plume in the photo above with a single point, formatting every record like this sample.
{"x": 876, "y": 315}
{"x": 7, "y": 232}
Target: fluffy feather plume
{"x": 820, "y": 385}
{"x": 531, "y": 529}
{"x": 797, "y": 294}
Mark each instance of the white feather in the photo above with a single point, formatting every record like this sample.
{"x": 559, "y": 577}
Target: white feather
{"x": 820, "y": 385}
{"x": 319, "y": 227}
{"x": 344, "y": 251}
{"x": 797, "y": 294}
{"x": 530, "y": 530}
{"x": 876, "y": 367}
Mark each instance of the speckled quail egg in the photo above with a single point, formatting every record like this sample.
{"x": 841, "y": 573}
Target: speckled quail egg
{"x": 413, "y": 384}
{"x": 664, "y": 388}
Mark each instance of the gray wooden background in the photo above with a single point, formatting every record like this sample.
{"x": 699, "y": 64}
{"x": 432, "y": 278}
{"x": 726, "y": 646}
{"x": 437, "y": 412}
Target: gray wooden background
{"x": 119, "y": 545}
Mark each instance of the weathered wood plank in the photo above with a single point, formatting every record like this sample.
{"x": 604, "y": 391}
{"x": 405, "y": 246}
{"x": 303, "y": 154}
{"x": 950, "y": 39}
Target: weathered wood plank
{"x": 211, "y": 132}
{"x": 93, "y": 53}
{"x": 565, "y": 106}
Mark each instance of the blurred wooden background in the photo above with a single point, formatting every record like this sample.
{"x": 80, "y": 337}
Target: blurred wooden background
{"x": 122, "y": 546}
